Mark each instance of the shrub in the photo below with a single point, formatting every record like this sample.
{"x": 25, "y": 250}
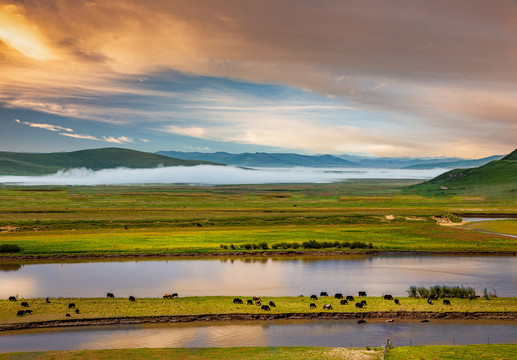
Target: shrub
{"x": 452, "y": 218}
{"x": 263, "y": 245}
{"x": 247, "y": 246}
{"x": 10, "y": 248}
{"x": 442, "y": 291}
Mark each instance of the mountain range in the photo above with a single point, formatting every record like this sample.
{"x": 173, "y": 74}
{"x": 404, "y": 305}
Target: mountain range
{"x": 261, "y": 159}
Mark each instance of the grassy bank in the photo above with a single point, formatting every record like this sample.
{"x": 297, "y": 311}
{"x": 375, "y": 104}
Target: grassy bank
{"x": 439, "y": 352}
{"x": 435, "y": 352}
{"x": 95, "y": 308}
{"x": 497, "y": 226}
{"x": 249, "y": 353}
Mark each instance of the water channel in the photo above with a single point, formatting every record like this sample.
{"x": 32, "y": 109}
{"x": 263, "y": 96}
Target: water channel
{"x": 295, "y": 276}
{"x": 342, "y": 333}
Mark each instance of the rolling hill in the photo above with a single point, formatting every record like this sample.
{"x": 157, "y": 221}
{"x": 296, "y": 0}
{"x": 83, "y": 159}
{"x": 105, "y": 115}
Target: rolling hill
{"x": 498, "y": 177}
{"x": 455, "y": 163}
{"x": 12, "y": 163}
{"x": 261, "y": 159}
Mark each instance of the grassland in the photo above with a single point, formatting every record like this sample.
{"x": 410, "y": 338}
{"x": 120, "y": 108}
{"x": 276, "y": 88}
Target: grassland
{"x": 249, "y": 353}
{"x": 496, "y": 226}
{"x": 181, "y": 219}
{"x": 100, "y": 308}
{"x": 439, "y": 352}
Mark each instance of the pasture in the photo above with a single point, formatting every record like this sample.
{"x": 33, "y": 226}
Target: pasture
{"x": 186, "y": 219}
{"x": 99, "y": 308}
{"x": 488, "y": 352}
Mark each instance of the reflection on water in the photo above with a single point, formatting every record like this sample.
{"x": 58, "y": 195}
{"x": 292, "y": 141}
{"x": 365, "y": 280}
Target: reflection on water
{"x": 6, "y": 267}
{"x": 342, "y": 333}
{"x": 376, "y": 275}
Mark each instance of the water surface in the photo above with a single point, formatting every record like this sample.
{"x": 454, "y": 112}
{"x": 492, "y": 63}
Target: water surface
{"x": 334, "y": 333}
{"x": 376, "y": 275}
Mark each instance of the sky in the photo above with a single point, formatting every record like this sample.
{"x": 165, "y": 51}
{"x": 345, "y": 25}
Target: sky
{"x": 412, "y": 78}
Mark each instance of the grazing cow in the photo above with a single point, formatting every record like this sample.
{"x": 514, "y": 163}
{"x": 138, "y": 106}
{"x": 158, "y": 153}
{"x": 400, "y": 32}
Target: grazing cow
{"x": 249, "y": 302}
{"x": 314, "y": 297}
{"x": 361, "y": 293}
{"x": 68, "y": 315}
{"x": 258, "y": 303}
{"x": 110, "y": 295}
{"x": 388, "y": 297}
{"x": 343, "y": 302}
{"x": 266, "y": 307}
{"x": 327, "y": 307}
{"x": 71, "y": 305}
{"x": 28, "y": 311}
{"x": 20, "y": 313}
{"x": 132, "y": 298}
{"x": 363, "y": 302}
{"x": 429, "y": 301}
{"x": 338, "y": 296}
{"x": 25, "y": 304}
{"x": 359, "y": 305}
{"x": 312, "y": 306}
{"x": 433, "y": 297}
{"x": 361, "y": 321}
{"x": 397, "y": 302}
{"x": 272, "y": 304}
{"x": 47, "y": 300}
{"x": 174, "y": 295}
{"x": 77, "y": 311}
{"x": 12, "y": 298}
{"x": 390, "y": 320}
{"x": 238, "y": 301}
{"x": 446, "y": 302}
{"x": 324, "y": 293}
{"x": 167, "y": 296}
{"x": 350, "y": 298}
{"x": 256, "y": 298}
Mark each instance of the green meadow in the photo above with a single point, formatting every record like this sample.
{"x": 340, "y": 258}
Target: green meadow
{"x": 187, "y": 219}
{"x": 95, "y": 308}
{"x": 467, "y": 352}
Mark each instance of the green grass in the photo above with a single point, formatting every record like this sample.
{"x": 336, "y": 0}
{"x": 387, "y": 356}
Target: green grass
{"x": 467, "y": 352}
{"x": 118, "y": 307}
{"x": 249, "y": 353}
{"x": 170, "y": 219}
{"x": 495, "y": 226}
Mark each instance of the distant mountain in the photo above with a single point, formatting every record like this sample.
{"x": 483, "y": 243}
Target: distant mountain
{"x": 498, "y": 177}
{"x": 263, "y": 159}
{"x": 395, "y": 162}
{"x": 455, "y": 164}
{"x": 12, "y": 163}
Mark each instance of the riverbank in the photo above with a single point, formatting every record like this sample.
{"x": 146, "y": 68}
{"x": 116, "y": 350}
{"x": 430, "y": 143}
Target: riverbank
{"x": 488, "y": 352}
{"x": 108, "y": 311}
{"x": 243, "y": 254}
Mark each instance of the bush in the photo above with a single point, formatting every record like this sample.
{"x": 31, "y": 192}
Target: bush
{"x": 452, "y": 218}
{"x": 10, "y": 248}
{"x": 442, "y": 291}
{"x": 263, "y": 245}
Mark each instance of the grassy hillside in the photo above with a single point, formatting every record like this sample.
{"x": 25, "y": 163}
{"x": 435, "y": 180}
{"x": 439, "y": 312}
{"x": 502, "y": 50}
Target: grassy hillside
{"x": 495, "y": 178}
{"x": 12, "y": 163}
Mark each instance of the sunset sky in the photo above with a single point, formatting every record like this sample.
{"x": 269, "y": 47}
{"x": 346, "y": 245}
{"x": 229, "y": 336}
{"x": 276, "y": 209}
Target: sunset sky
{"x": 381, "y": 78}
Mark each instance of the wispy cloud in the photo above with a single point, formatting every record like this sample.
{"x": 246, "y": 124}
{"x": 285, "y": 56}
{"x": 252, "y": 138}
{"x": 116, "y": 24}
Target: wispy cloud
{"x": 197, "y": 132}
{"x": 81, "y": 136}
{"x": 49, "y": 127}
{"x": 118, "y": 140}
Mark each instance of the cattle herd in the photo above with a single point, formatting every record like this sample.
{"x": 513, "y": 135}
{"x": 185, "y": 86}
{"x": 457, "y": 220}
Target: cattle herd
{"x": 256, "y": 300}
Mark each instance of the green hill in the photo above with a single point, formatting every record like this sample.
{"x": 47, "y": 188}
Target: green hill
{"x": 497, "y": 178}
{"x": 12, "y": 163}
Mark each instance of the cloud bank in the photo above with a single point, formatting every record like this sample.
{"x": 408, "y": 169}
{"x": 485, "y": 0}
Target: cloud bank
{"x": 214, "y": 175}
{"x": 425, "y": 74}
